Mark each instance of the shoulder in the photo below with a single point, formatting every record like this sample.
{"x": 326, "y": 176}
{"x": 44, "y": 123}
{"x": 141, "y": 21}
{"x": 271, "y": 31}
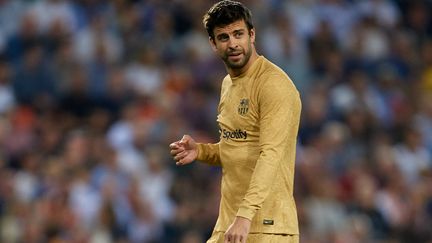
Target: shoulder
{"x": 226, "y": 82}
{"x": 272, "y": 76}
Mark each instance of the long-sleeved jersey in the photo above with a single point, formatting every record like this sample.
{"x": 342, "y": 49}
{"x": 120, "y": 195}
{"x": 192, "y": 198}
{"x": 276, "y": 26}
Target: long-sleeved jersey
{"x": 258, "y": 116}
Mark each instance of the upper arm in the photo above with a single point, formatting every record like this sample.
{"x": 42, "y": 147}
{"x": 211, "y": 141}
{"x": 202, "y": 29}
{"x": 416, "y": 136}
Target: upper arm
{"x": 279, "y": 105}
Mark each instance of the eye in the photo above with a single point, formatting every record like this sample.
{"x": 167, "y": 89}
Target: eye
{"x": 223, "y": 37}
{"x": 238, "y": 34}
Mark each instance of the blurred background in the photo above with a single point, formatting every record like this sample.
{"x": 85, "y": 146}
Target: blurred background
{"x": 93, "y": 91}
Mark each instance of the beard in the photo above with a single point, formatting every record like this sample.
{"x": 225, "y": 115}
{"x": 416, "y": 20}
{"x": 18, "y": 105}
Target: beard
{"x": 240, "y": 62}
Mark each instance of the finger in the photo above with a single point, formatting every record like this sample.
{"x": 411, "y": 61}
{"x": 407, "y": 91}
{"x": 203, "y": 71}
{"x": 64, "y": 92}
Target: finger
{"x": 227, "y": 238}
{"x": 182, "y": 162}
{"x": 236, "y": 239}
{"x": 240, "y": 239}
{"x": 180, "y": 155}
{"x": 176, "y": 151}
{"x": 185, "y": 139}
{"x": 174, "y": 145}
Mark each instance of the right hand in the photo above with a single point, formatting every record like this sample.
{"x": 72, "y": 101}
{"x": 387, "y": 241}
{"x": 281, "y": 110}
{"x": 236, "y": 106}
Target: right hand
{"x": 184, "y": 151}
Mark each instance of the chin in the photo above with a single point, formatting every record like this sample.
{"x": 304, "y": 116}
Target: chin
{"x": 237, "y": 65}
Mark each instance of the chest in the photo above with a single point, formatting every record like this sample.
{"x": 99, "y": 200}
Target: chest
{"x": 238, "y": 108}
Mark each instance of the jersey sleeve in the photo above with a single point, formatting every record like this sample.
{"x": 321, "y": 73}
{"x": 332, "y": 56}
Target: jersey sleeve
{"x": 280, "y": 106}
{"x": 209, "y": 153}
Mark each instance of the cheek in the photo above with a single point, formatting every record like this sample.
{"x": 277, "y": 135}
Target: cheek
{"x": 245, "y": 43}
{"x": 220, "y": 49}
{"x": 250, "y": 41}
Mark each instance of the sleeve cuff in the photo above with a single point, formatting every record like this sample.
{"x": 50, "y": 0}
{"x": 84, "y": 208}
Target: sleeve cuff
{"x": 246, "y": 213}
{"x": 200, "y": 152}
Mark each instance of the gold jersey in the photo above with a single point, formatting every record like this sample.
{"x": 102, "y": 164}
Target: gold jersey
{"x": 258, "y": 116}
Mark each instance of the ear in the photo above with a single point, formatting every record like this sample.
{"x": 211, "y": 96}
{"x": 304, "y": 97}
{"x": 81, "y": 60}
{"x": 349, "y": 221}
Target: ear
{"x": 212, "y": 44}
{"x": 252, "y": 35}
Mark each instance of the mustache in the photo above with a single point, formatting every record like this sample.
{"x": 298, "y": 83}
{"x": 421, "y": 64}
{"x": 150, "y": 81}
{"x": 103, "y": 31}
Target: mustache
{"x": 234, "y": 52}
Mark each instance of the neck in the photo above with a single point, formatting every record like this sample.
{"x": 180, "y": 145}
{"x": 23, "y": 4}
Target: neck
{"x": 234, "y": 72}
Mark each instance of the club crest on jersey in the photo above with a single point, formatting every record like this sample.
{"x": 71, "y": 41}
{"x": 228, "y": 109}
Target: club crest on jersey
{"x": 243, "y": 107}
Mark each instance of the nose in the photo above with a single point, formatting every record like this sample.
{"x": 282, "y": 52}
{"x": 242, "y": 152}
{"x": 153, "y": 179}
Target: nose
{"x": 233, "y": 44}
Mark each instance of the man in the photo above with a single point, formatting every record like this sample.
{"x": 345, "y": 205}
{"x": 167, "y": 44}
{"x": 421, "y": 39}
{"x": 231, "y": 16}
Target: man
{"x": 258, "y": 115}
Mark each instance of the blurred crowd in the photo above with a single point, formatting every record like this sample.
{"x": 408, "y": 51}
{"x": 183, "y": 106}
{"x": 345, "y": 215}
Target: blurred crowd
{"x": 93, "y": 91}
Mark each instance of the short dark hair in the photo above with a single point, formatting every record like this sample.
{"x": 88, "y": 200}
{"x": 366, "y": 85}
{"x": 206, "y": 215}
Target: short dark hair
{"x": 224, "y": 13}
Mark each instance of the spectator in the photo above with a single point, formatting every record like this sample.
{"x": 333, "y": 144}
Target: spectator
{"x": 90, "y": 91}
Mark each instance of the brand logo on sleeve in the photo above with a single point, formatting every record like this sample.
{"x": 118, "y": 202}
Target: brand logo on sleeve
{"x": 268, "y": 222}
{"x": 243, "y": 107}
{"x": 236, "y": 134}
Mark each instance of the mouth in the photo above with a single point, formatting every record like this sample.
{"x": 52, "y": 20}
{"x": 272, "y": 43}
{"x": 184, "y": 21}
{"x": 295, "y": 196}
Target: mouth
{"x": 234, "y": 54}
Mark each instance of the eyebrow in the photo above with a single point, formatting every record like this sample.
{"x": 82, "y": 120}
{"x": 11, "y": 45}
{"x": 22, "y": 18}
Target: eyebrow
{"x": 241, "y": 30}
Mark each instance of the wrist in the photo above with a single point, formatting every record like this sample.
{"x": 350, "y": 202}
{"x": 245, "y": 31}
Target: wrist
{"x": 199, "y": 151}
{"x": 244, "y": 221}
{"x": 246, "y": 213}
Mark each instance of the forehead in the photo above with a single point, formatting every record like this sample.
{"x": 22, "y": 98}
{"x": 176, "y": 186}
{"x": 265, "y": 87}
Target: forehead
{"x": 237, "y": 25}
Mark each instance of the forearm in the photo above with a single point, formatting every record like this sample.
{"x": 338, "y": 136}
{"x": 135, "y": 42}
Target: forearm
{"x": 259, "y": 188}
{"x": 209, "y": 153}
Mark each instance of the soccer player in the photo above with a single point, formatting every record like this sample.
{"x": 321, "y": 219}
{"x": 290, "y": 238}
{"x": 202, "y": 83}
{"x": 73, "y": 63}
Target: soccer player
{"x": 258, "y": 115}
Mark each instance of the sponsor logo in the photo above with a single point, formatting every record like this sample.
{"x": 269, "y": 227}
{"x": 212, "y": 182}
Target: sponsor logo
{"x": 243, "y": 107}
{"x": 236, "y": 134}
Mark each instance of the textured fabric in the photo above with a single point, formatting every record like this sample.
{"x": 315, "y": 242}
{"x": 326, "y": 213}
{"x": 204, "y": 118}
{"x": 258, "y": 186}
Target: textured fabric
{"x": 218, "y": 237}
{"x": 209, "y": 153}
{"x": 259, "y": 115}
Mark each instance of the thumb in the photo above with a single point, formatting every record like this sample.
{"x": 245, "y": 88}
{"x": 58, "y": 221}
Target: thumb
{"x": 185, "y": 139}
